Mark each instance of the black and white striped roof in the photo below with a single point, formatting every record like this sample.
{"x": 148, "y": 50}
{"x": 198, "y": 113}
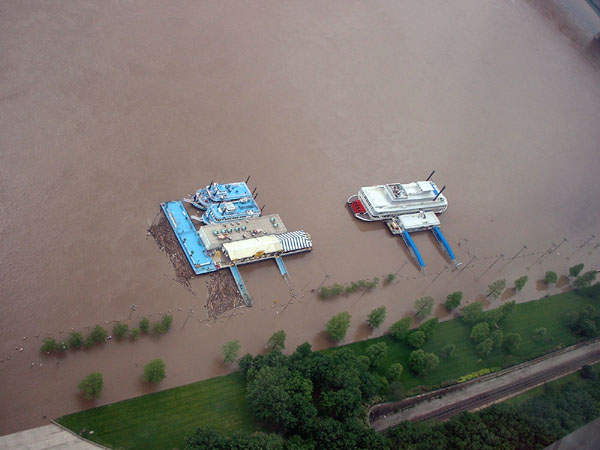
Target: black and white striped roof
{"x": 294, "y": 241}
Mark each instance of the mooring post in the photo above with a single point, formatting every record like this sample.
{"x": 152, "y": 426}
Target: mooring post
{"x": 582, "y": 245}
{"x": 132, "y": 308}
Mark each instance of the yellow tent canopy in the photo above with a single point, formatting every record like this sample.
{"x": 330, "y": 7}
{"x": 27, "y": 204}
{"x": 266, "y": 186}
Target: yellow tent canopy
{"x": 253, "y": 247}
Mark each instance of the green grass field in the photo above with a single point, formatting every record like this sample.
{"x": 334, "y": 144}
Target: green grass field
{"x": 160, "y": 420}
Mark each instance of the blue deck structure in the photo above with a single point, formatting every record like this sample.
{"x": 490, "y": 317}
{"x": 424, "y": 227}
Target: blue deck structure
{"x": 188, "y": 238}
{"x": 281, "y": 266}
{"x": 444, "y": 244}
{"x": 412, "y": 248}
{"x": 240, "y": 284}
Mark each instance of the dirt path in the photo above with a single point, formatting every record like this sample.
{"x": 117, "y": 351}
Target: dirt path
{"x": 445, "y": 403}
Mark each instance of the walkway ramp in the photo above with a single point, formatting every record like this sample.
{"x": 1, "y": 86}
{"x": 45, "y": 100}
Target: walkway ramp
{"x": 444, "y": 244}
{"x": 414, "y": 251}
{"x": 240, "y": 284}
{"x": 285, "y": 275}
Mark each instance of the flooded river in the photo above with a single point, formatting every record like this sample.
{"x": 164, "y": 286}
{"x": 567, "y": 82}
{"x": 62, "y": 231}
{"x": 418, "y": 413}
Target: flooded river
{"x": 109, "y": 108}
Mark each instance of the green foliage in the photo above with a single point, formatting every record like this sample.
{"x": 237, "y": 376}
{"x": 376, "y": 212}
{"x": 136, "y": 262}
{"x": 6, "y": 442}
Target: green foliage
{"x": 389, "y": 278}
{"x": 75, "y": 339}
{"x": 120, "y": 330}
{"x": 477, "y": 374}
{"x": 154, "y": 372}
{"x": 584, "y": 323}
{"x": 480, "y": 332}
{"x": 453, "y": 300}
{"x": 395, "y": 372}
{"x": 63, "y": 346}
{"x": 376, "y": 352}
{"x": 485, "y": 347}
{"x": 498, "y": 338}
{"x": 231, "y": 350}
{"x": 572, "y": 319}
{"x": 91, "y": 386}
{"x": 144, "y": 325}
{"x": 550, "y": 277}
{"x": 495, "y": 289}
{"x": 276, "y": 341}
{"x": 588, "y": 328}
{"x": 423, "y": 306}
{"x": 472, "y": 313}
{"x": 585, "y": 280}
{"x": 448, "y": 350}
{"x": 521, "y": 282}
{"x": 416, "y": 339}
{"x": 49, "y": 345}
{"x": 399, "y": 329}
{"x": 575, "y": 270}
{"x": 208, "y": 438}
{"x": 421, "y": 362}
{"x": 539, "y": 334}
{"x": 98, "y": 334}
{"x": 338, "y": 326}
{"x": 587, "y": 372}
{"x": 377, "y": 317}
{"x": 428, "y": 327}
{"x": 88, "y": 342}
{"x": 134, "y": 333}
{"x": 167, "y": 321}
{"x": 512, "y": 341}
{"x": 158, "y": 328}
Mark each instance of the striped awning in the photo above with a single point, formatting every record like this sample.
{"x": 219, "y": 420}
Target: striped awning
{"x": 294, "y": 241}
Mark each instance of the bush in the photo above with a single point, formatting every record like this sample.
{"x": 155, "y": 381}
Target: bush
{"x": 166, "y": 321}
{"x": 98, "y": 334}
{"x": 154, "y": 372}
{"x": 550, "y": 277}
{"x": 134, "y": 333}
{"x": 512, "y": 341}
{"x": 63, "y": 346}
{"x": 389, "y": 278}
{"x": 276, "y": 341}
{"x": 333, "y": 291}
{"x": 158, "y": 328}
{"x": 539, "y": 334}
{"x": 144, "y": 325}
{"x": 88, "y": 342}
{"x": 120, "y": 330}
{"x": 448, "y": 350}
{"x": 416, "y": 339}
{"x": 376, "y": 352}
{"x": 521, "y": 282}
{"x": 231, "y": 350}
{"x": 453, "y": 300}
{"x": 585, "y": 280}
{"x": 484, "y": 348}
{"x": 49, "y": 345}
{"x": 587, "y": 372}
{"x": 395, "y": 372}
{"x": 338, "y": 326}
{"x": 423, "y": 306}
{"x": 575, "y": 270}
{"x": 572, "y": 319}
{"x": 480, "y": 332}
{"x": 377, "y": 317}
{"x": 400, "y": 329}
{"x": 91, "y": 386}
{"x": 75, "y": 339}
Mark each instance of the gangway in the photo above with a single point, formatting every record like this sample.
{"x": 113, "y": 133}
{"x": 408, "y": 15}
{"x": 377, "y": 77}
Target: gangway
{"x": 445, "y": 245}
{"x": 412, "y": 248}
{"x": 285, "y": 275}
{"x": 240, "y": 284}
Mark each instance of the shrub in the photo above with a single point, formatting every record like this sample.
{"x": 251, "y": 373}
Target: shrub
{"x": 231, "y": 350}
{"x": 376, "y": 352}
{"x": 144, "y": 325}
{"x": 154, "y": 372}
{"x": 416, "y": 339}
{"x": 75, "y": 339}
{"x": 166, "y": 321}
{"x": 158, "y": 328}
{"x": 495, "y": 289}
{"x": 585, "y": 280}
{"x": 276, "y": 341}
{"x": 575, "y": 270}
{"x": 91, "y": 386}
{"x": 134, "y": 333}
{"x": 539, "y": 334}
{"x": 550, "y": 277}
{"x": 512, "y": 341}
{"x": 521, "y": 282}
{"x": 49, "y": 345}
{"x": 333, "y": 291}
{"x": 480, "y": 332}
{"x": 338, "y": 326}
{"x": 63, "y": 346}
{"x": 453, "y": 300}
{"x": 88, "y": 342}
{"x": 572, "y": 319}
{"x": 98, "y": 334}
{"x": 399, "y": 329}
{"x": 587, "y": 372}
{"x": 395, "y": 372}
{"x": 477, "y": 374}
{"x": 389, "y": 278}
{"x": 485, "y": 347}
{"x": 377, "y": 317}
{"x": 423, "y": 306}
{"x": 120, "y": 330}
{"x": 448, "y": 350}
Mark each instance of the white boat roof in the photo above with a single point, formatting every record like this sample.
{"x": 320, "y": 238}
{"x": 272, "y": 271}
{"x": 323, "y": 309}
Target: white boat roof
{"x": 395, "y": 196}
{"x": 418, "y": 220}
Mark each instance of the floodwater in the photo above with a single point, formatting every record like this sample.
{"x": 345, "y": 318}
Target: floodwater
{"x": 108, "y": 108}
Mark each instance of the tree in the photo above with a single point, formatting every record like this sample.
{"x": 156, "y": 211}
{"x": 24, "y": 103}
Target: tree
{"x": 231, "y": 350}
{"x": 389, "y": 278}
{"x": 276, "y": 341}
{"x": 498, "y": 338}
{"x": 399, "y": 329}
{"x": 572, "y": 319}
{"x": 166, "y": 321}
{"x": 75, "y": 339}
{"x": 154, "y": 372}
{"x": 49, "y": 345}
{"x": 587, "y": 372}
{"x": 158, "y": 328}
{"x": 416, "y": 339}
{"x": 395, "y": 372}
{"x": 480, "y": 332}
{"x": 512, "y": 341}
{"x": 421, "y": 362}
{"x": 453, "y": 300}
{"x": 120, "y": 330}
{"x": 495, "y": 289}
{"x": 428, "y": 327}
{"x": 338, "y": 326}
{"x": 134, "y": 333}
{"x": 91, "y": 386}
{"x": 98, "y": 334}
{"x": 521, "y": 282}
{"x": 485, "y": 347}
{"x": 376, "y": 352}
{"x": 144, "y": 325}
{"x": 472, "y": 313}
{"x": 550, "y": 277}
{"x": 376, "y": 317}
{"x": 587, "y": 327}
{"x": 575, "y": 270}
{"x": 448, "y": 350}
{"x": 585, "y": 280}
{"x": 423, "y": 306}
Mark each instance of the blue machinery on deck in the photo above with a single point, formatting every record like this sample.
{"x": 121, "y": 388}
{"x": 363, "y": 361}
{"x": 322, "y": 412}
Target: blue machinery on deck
{"x": 414, "y": 251}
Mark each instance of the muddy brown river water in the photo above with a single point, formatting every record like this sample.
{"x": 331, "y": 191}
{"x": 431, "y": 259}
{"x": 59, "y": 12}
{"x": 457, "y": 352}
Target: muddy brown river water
{"x": 108, "y": 108}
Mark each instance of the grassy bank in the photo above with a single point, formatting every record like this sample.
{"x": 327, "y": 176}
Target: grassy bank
{"x": 160, "y": 420}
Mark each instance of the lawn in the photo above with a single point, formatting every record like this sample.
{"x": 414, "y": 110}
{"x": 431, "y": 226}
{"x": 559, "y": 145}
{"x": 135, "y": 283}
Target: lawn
{"x": 160, "y": 420}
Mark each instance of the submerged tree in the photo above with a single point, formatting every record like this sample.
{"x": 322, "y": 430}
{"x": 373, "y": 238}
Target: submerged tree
{"x": 276, "y": 341}
{"x": 91, "y": 386}
{"x": 338, "y": 326}
{"x": 453, "y": 300}
{"x": 231, "y": 350}
{"x": 495, "y": 289}
{"x": 423, "y": 306}
{"x": 377, "y": 317}
{"x": 154, "y": 372}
